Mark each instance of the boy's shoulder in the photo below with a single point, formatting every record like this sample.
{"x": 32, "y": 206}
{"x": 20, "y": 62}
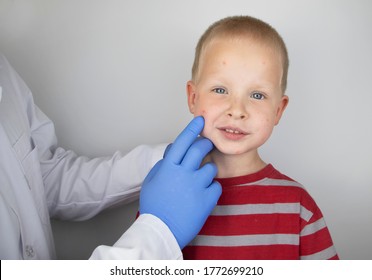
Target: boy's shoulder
{"x": 280, "y": 178}
{"x": 276, "y": 174}
{"x": 283, "y": 179}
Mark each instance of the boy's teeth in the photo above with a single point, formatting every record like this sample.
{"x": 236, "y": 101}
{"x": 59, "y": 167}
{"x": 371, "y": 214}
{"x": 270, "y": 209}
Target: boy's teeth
{"x": 232, "y": 131}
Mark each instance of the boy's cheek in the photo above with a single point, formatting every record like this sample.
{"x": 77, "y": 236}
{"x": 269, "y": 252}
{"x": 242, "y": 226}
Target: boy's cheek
{"x": 204, "y": 114}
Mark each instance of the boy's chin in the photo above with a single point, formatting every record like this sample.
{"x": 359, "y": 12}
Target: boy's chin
{"x": 227, "y": 151}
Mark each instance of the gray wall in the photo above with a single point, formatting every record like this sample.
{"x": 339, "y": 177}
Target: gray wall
{"x": 111, "y": 75}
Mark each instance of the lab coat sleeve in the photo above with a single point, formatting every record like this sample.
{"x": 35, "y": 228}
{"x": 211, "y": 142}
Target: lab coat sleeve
{"x": 77, "y": 187}
{"x": 147, "y": 239}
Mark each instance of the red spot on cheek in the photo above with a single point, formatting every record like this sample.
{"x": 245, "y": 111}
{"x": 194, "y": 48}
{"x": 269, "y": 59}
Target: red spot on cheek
{"x": 203, "y": 114}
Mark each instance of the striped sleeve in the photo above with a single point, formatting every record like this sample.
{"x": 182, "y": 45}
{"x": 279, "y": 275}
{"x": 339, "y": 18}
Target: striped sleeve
{"x": 315, "y": 239}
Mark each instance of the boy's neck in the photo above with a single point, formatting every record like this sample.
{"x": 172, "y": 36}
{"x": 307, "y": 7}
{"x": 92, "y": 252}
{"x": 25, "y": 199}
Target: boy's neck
{"x": 236, "y": 165}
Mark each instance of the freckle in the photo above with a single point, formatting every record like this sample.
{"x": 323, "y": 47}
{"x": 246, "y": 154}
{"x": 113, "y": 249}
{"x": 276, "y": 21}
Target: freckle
{"x": 224, "y": 62}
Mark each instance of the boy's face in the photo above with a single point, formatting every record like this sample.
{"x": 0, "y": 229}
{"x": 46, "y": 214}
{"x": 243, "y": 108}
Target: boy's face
{"x": 238, "y": 92}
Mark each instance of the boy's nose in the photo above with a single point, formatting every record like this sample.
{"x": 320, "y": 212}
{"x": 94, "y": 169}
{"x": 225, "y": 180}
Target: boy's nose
{"x": 240, "y": 116}
{"x": 237, "y": 110}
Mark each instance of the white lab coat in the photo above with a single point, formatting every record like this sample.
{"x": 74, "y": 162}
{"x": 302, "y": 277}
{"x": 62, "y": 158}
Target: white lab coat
{"x": 39, "y": 180}
{"x": 147, "y": 239}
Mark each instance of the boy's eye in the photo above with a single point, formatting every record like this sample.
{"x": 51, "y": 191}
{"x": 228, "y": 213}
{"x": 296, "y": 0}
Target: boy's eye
{"x": 257, "y": 95}
{"x": 219, "y": 90}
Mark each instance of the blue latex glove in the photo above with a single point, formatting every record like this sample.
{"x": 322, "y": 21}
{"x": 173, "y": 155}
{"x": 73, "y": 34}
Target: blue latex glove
{"x": 177, "y": 190}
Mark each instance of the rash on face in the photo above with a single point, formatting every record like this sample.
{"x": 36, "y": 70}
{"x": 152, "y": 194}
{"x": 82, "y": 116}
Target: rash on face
{"x": 203, "y": 113}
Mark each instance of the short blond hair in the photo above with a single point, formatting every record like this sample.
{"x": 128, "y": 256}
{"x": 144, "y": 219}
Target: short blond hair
{"x": 238, "y": 26}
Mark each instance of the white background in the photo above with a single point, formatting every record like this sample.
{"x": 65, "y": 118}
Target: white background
{"x": 111, "y": 74}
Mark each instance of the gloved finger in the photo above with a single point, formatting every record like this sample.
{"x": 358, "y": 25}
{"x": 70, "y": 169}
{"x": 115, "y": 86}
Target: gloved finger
{"x": 196, "y": 153}
{"x": 152, "y": 172}
{"x": 214, "y": 193}
{"x": 183, "y": 142}
{"x": 207, "y": 173}
{"x": 167, "y": 150}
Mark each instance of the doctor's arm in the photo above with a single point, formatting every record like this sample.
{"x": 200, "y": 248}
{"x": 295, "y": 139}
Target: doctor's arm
{"x": 78, "y": 187}
{"x": 176, "y": 198}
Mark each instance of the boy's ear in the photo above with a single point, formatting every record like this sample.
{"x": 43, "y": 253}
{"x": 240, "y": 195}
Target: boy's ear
{"x": 191, "y": 95}
{"x": 282, "y": 105}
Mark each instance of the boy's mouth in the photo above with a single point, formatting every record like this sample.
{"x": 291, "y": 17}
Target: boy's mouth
{"x": 233, "y": 133}
{"x": 233, "y": 130}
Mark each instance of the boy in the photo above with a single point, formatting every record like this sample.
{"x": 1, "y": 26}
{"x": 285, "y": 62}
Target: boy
{"x": 238, "y": 83}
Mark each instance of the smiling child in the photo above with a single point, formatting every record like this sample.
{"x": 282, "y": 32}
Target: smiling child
{"x": 238, "y": 85}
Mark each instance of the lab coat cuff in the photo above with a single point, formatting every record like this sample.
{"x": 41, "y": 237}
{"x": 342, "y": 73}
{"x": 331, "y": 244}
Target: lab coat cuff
{"x": 148, "y": 238}
{"x": 170, "y": 244}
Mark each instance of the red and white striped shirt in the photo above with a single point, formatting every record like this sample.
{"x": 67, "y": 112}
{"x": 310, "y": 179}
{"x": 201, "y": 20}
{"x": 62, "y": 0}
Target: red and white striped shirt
{"x": 265, "y": 215}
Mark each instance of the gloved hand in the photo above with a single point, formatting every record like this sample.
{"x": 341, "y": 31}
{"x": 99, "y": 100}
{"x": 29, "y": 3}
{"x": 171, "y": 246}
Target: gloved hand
{"x": 177, "y": 190}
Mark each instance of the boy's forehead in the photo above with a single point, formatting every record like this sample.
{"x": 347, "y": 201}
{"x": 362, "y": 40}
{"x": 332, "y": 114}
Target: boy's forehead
{"x": 241, "y": 52}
